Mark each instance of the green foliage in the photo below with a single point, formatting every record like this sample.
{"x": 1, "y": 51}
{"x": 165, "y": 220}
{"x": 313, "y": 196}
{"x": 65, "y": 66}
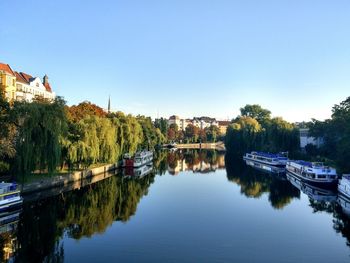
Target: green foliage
{"x": 162, "y": 125}
{"x": 335, "y": 133}
{"x": 255, "y": 111}
{"x": 41, "y": 127}
{"x": 246, "y": 133}
{"x": 152, "y": 135}
{"x": 7, "y": 132}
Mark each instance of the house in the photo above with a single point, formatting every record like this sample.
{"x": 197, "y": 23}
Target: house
{"x": 7, "y": 82}
{"x": 223, "y": 126}
{"x": 21, "y": 86}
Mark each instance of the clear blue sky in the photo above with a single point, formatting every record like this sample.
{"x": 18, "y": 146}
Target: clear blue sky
{"x": 185, "y": 57}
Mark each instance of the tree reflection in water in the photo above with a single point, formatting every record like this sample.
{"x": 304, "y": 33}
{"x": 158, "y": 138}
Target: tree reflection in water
{"x": 79, "y": 213}
{"x": 92, "y": 209}
{"x": 255, "y": 183}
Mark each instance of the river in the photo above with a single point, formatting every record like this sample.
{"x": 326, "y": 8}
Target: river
{"x": 192, "y": 206}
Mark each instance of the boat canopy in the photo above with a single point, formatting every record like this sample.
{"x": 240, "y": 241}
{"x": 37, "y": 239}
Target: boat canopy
{"x": 270, "y": 155}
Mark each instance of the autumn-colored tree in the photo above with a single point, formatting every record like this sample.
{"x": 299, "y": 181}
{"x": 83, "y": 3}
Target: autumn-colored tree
{"x": 76, "y": 113}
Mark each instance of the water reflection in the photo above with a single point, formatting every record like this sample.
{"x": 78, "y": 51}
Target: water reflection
{"x": 36, "y": 233}
{"x": 316, "y": 194}
{"x": 8, "y": 236}
{"x": 78, "y": 213}
{"x": 203, "y": 161}
{"x": 254, "y": 183}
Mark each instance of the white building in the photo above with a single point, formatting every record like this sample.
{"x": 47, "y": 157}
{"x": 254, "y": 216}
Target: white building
{"x": 305, "y": 139}
{"x": 201, "y": 122}
{"x": 28, "y": 87}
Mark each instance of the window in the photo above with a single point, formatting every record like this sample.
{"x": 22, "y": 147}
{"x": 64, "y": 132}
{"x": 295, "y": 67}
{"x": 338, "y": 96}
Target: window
{"x": 13, "y": 82}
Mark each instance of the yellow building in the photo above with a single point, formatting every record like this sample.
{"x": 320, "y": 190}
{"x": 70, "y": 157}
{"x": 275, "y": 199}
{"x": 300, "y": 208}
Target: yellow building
{"x": 7, "y": 82}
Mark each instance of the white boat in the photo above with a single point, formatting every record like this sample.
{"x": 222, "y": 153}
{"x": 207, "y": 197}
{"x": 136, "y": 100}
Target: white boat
{"x": 313, "y": 192}
{"x": 9, "y": 196}
{"x": 313, "y": 173}
{"x": 266, "y": 158}
{"x": 266, "y": 168}
{"x": 344, "y": 185}
{"x": 139, "y": 172}
{"x": 141, "y": 158}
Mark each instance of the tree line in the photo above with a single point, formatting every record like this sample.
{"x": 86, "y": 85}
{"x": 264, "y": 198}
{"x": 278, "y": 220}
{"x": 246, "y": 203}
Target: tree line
{"x": 46, "y": 135}
{"x": 335, "y": 136}
{"x": 254, "y": 129}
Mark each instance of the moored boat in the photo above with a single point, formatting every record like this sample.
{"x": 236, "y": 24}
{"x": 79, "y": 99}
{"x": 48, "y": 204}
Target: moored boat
{"x": 315, "y": 193}
{"x": 344, "y": 185}
{"x": 266, "y": 158}
{"x": 266, "y": 168}
{"x": 141, "y": 158}
{"x": 10, "y": 196}
{"x": 313, "y": 173}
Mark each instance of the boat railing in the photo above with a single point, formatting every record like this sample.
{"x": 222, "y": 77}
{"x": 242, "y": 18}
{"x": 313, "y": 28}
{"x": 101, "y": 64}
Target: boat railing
{"x": 8, "y": 187}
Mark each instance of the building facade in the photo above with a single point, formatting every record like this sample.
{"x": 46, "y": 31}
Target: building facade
{"x": 305, "y": 139}
{"x": 200, "y": 122}
{"x": 7, "y": 82}
{"x": 20, "y": 86}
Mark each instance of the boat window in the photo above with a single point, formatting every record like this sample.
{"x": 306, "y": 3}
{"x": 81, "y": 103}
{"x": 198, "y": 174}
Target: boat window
{"x": 311, "y": 175}
{"x": 321, "y": 176}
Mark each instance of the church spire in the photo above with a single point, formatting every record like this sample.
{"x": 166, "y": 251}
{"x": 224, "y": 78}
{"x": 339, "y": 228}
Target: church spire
{"x": 109, "y": 104}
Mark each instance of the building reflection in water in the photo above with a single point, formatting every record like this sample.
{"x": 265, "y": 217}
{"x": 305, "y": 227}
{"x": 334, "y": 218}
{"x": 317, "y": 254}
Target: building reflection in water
{"x": 203, "y": 161}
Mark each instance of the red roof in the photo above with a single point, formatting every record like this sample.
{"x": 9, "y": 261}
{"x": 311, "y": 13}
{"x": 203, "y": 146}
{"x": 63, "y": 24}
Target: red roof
{"x": 26, "y": 76}
{"x": 224, "y": 123}
{"x": 20, "y": 78}
{"x": 6, "y": 68}
{"x": 47, "y": 87}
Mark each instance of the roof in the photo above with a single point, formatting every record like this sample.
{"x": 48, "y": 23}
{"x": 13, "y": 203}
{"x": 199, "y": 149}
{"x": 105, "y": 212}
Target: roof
{"x": 48, "y": 87}
{"x": 26, "y": 76}
{"x": 20, "y": 78}
{"x": 6, "y": 68}
{"x": 224, "y": 123}
{"x": 270, "y": 155}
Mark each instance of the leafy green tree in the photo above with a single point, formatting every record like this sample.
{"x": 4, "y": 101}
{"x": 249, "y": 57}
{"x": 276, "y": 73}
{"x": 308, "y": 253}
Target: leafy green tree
{"x": 41, "y": 127}
{"x": 255, "y": 111}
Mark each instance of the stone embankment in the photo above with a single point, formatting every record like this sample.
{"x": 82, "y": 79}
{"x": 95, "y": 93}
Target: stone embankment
{"x": 220, "y": 146}
{"x": 64, "y": 180}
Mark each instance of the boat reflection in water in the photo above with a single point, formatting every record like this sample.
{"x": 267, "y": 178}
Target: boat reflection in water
{"x": 138, "y": 172}
{"x": 313, "y": 192}
{"x": 266, "y": 168}
{"x": 344, "y": 203}
{"x": 8, "y": 228}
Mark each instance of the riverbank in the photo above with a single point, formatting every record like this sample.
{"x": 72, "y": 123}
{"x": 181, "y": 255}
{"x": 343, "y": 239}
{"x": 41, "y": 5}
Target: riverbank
{"x": 64, "y": 180}
{"x": 219, "y": 146}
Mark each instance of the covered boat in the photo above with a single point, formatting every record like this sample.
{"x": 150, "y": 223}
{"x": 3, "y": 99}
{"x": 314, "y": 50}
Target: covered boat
{"x": 9, "y": 196}
{"x": 344, "y": 185}
{"x": 278, "y": 159}
{"x": 315, "y": 173}
{"x": 141, "y": 158}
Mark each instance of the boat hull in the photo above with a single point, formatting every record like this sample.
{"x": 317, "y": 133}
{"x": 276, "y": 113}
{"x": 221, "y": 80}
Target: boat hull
{"x": 11, "y": 205}
{"x": 277, "y": 164}
{"x": 324, "y": 183}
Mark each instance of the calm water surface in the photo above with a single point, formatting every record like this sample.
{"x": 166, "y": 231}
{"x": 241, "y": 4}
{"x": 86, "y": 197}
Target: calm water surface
{"x": 188, "y": 208}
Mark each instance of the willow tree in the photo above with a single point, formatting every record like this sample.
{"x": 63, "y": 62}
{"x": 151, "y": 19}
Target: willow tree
{"x": 41, "y": 126}
{"x": 95, "y": 141}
